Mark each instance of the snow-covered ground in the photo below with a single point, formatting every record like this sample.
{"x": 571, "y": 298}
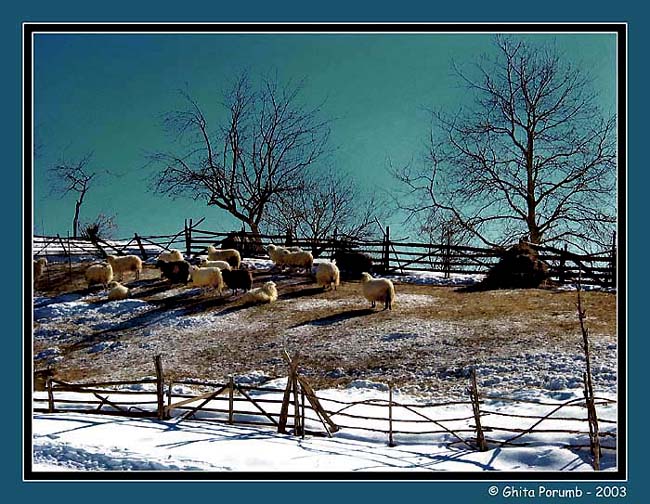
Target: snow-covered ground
{"x": 80, "y": 442}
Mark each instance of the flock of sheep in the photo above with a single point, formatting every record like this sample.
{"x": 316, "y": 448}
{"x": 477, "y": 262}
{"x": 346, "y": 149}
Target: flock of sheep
{"x": 223, "y": 269}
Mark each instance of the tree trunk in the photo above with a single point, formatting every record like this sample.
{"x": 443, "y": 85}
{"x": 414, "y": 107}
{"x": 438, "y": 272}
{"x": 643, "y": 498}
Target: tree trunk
{"x": 75, "y": 221}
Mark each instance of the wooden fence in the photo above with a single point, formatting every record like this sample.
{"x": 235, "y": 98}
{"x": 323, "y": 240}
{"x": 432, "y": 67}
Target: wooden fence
{"x": 389, "y": 256}
{"x": 401, "y": 257}
{"x": 299, "y": 410}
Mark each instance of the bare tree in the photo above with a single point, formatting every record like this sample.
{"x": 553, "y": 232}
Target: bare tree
{"x": 102, "y": 226}
{"x": 73, "y": 177}
{"x": 532, "y": 158}
{"x": 325, "y": 203}
{"x": 263, "y": 143}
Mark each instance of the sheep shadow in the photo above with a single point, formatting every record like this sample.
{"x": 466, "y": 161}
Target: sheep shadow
{"x": 298, "y": 293}
{"x": 339, "y": 317}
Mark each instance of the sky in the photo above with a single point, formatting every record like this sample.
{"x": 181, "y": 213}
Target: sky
{"x": 106, "y": 93}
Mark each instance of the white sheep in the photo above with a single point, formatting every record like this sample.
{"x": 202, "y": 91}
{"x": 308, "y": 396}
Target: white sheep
{"x": 99, "y": 274}
{"x": 222, "y": 265}
{"x": 120, "y": 264}
{"x": 299, "y": 260}
{"x": 265, "y": 294}
{"x": 117, "y": 291}
{"x": 207, "y": 277}
{"x": 282, "y": 256}
{"x": 170, "y": 256}
{"x": 277, "y": 254}
{"x": 378, "y": 289}
{"x": 39, "y": 267}
{"x": 327, "y": 275}
{"x": 231, "y": 256}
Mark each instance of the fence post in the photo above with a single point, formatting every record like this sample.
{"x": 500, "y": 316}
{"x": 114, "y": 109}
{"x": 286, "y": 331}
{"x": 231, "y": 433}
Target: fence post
{"x": 302, "y": 400}
{"x": 592, "y": 417}
{"x": 170, "y": 388}
{"x": 335, "y": 242}
{"x": 613, "y": 260}
{"x": 231, "y": 399}
{"x": 143, "y": 252}
{"x": 297, "y": 425}
{"x": 188, "y": 238}
{"x": 391, "y": 442}
{"x": 480, "y": 437}
{"x": 50, "y": 396}
{"x": 160, "y": 387}
{"x": 562, "y": 266}
{"x": 447, "y": 254}
{"x": 386, "y": 258}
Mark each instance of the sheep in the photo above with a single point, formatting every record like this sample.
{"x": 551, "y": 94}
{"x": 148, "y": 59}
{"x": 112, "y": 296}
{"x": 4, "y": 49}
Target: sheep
{"x": 265, "y": 294}
{"x": 230, "y": 255}
{"x": 299, "y": 260}
{"x": 207, "y": 277}
{"x": 39, "y": 267}
{"x": 175, "y": 271}
{"x": 277, "y": 254}
{"x": 99, "y": 274}
{"x": 282, "y": 256}
{"x": 352, "y": 264}
{"x": 378, "y": 289}
{"x": 238, "y": 279}
{"x": 222, "y": 265}
{"x": 170, "y": 256}
{"x": 125, "y": 263}
{"x": 327, "y": 275}
{"x": 117, "y": 291}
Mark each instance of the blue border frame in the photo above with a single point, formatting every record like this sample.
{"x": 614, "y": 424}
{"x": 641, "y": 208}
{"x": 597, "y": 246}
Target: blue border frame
{"x": 173, "y": 12}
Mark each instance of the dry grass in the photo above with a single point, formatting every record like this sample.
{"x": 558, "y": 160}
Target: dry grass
{"x": 337, "y": 337}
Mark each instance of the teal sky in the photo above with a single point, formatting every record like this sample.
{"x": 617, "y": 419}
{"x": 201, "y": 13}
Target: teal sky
{"x": 105, "y": 93}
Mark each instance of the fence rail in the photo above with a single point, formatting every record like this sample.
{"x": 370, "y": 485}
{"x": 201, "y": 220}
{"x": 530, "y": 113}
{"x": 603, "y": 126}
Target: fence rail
{"x": 298, "y": 409}
{"x": 389, "y": 256}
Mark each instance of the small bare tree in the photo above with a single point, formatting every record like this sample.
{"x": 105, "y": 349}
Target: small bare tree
{"x": 324, "y": 204}
{"x": 73, "y": 177}
{"x": 531, "y": 158}
{"x": 102, "y": 226}
{"x": 255, "y": 155}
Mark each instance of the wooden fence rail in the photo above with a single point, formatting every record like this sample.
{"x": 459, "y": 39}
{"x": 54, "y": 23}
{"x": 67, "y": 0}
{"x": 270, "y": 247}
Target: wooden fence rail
{"x": 298, "y": 409}
{"x": 390, "y": 256}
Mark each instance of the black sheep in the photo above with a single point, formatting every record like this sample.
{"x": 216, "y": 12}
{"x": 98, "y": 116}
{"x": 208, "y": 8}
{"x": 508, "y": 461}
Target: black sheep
{"x": 238, "y": 279}
{"x": 352, "y": 264}
{"x": 175, "y": 271}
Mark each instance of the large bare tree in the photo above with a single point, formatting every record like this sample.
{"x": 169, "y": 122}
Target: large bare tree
{"x": 532, "y": 157}
{"x": 73, "y": 177}
{"x": 326, "y": 202}
{"x": 256, "y": 152}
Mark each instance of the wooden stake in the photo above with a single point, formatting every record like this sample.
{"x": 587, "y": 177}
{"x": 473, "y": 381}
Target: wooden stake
{"x": 231, "y": 401}
{"x": 143, "y": 252}
{"x": 160, "y": 387}
{"x": 480, "y": 437}
{"x": 50, "y": 396}
{"x": 391, "y": 442}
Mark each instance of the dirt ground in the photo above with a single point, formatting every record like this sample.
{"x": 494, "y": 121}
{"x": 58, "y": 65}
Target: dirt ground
{"x": 426, "y": 343}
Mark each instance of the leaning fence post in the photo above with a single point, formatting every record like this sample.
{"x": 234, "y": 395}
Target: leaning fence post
{"x": 143, "y": 252}
{"x": 160, "y": 387}
{"x": 391, "y": 442}
{"x": 302, "y": 400}
{"x": 480, "y": 437}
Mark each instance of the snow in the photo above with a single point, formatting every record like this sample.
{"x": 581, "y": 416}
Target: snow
{"x": 72, "y": 441}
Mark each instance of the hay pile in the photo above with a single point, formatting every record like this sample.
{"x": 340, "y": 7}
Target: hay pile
{"x": 518, "y": 268}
